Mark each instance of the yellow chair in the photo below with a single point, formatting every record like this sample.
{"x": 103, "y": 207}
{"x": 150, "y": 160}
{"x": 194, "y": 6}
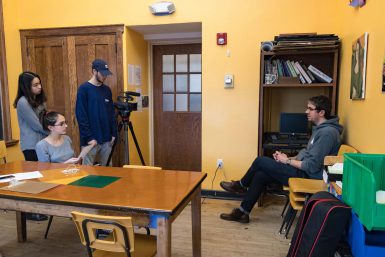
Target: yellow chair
{"x": 330, "y": 160}
{"x": 142, "y": 167}
{"x": 122, "y": 241}
{"x": 3, "y": 151}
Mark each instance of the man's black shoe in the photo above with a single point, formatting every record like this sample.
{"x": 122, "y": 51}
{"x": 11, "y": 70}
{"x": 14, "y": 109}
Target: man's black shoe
{"x": 233, "y": 187}
{"x": 36, "y": 217}
{"x": 236, "y": 215}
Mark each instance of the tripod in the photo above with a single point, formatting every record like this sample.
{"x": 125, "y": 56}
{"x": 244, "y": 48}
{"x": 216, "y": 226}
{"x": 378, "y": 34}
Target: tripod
{"x": 126, "y": 124}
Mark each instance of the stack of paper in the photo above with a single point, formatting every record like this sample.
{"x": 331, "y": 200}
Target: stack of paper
{"x": 337, "y": 168}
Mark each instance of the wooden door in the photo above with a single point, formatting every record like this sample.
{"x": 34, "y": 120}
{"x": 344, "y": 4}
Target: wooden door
{"x": 82, "y": 50}
{"x": 47, "y": 57}
{"x": 178, "y": 106}
{"x": 63, "y": 57}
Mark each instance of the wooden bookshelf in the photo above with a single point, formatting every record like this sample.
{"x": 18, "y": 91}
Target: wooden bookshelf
{"x": 292, "y": 97}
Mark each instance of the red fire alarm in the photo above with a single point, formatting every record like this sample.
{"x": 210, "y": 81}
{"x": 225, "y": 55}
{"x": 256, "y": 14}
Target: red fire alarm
{"x": 221, "y": 38}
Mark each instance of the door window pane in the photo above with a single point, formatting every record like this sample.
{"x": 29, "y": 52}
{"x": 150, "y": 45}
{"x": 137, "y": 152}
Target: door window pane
{"x": 181, "y": 83}
{"x": 181, "y": 102}
{"x": 168, "y": 83}
{"x": 195, "y": 63}
{"x": 195, "y": 102}
{"x": 168, "y": 102}
{"x": 168, "y": 63}
{"x": 181, "y": 63}
{"x": 196, "y": 83}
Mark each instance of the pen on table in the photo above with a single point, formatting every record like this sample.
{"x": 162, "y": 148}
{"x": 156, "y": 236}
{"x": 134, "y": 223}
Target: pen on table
{"x": 8, "y": 176}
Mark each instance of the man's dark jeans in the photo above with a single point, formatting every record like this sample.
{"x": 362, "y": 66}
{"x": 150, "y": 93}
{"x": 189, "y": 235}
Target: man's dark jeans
{"x": 263, "y": 171}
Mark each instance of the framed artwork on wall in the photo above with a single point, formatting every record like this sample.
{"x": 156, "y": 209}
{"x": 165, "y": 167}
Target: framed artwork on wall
{"x": 383, "y": 77}
{"x": 358, "y": 76}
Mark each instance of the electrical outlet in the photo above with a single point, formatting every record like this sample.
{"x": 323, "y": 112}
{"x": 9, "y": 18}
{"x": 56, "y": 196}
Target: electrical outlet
{"x": 220, "y": 163}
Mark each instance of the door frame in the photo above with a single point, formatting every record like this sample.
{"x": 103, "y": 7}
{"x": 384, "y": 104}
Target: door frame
{"x": 117, "y": 30}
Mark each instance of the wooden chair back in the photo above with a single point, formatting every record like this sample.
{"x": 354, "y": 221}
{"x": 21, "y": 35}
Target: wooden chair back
{"x": 3, "y": 151}
{"x": 347, "y": 149}
{"x": 330, "y": 160}
{"x": 122, "y": 232}
{"x": 121, "y": 242}
{"x": 142, "y": 167}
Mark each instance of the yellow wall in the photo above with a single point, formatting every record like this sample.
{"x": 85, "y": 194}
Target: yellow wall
{"x": 363, "y": 119}
{"x": 137, "y": 54}
{"x": 230, "y": 117}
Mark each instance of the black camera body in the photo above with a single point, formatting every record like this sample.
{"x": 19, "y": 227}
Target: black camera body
{"x": 125, "y": 103}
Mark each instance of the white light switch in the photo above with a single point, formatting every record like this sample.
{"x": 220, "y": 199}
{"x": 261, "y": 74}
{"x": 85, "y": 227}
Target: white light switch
{"x": 229, "y": 81}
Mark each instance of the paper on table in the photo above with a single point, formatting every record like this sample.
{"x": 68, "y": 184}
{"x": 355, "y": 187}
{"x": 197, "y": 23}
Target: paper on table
{"x": 85, "y": 151}
{"x": 337, "y": 168}
{"x": 31, "y": 187}
{"x": 23, "y": 176}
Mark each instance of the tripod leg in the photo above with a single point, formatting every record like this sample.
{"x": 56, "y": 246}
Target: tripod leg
{"x": 136, "y": 142}
{"x": 120, "y": 126}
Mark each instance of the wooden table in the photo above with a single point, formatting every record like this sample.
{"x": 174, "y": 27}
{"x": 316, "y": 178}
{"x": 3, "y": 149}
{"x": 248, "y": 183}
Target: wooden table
{"x": 153, "y": 198}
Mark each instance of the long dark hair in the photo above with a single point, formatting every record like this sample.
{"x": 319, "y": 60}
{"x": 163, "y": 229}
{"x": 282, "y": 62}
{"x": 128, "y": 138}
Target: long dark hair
{"x": 24, "y": 89}
{"x": 50, "y": 119}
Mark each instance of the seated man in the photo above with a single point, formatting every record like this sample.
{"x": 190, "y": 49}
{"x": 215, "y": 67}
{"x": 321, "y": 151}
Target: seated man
{"x": 324, "y": 141}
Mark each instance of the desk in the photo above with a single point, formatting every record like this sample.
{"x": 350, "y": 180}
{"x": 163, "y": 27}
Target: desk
{"x": 153, "y": 198}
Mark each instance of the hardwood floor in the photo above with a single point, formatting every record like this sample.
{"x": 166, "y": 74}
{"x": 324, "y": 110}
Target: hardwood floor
{"x": 219, "y": 238}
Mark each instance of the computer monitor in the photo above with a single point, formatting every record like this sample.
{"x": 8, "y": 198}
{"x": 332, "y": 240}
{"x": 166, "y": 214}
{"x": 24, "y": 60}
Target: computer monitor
{"x": 293, "y": 123}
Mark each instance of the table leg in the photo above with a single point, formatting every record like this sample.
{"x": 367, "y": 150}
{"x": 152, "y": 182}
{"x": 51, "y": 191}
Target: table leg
{"x": 163, "y": 237}
{"x": 21, "y": 225}
{"x": 196, "y": 223}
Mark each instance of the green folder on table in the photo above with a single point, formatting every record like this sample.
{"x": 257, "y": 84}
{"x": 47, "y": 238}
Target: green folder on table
{"x": 94, "y": 181}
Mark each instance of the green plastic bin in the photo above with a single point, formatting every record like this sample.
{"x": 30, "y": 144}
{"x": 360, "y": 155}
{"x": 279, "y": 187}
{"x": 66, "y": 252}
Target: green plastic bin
{"x": 364, "y": 175}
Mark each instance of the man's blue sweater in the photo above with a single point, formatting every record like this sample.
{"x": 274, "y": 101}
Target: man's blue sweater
{"x": 95, "y": 113}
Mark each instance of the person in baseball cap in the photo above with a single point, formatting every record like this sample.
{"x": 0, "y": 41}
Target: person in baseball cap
{"x": 102, "y": 67}
{"x": 95, "y": 115}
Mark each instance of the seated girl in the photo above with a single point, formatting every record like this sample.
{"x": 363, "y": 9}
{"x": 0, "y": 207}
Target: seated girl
{"x": 57, "y": 146}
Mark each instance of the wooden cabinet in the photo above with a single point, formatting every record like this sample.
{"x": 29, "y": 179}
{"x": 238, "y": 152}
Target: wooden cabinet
{"x": 289, "y": 94}
{"x": 63, "y": 56}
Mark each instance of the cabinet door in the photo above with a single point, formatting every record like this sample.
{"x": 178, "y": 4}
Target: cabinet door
{"x": 82, "y": 50}
{"x": 64, "y": 63}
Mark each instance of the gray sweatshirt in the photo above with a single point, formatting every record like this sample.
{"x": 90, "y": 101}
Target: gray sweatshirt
{"x": 49, "y": 153}
{"x": 31, "y": 130}
{"x": 325, "y": 140}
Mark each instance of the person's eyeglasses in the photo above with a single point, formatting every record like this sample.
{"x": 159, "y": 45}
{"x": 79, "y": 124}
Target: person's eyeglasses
{"x": 61, "y": 124}
{"x": 311, "y": 108}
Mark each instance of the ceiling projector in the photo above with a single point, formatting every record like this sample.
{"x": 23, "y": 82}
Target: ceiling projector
{"x": 162, "y": 8}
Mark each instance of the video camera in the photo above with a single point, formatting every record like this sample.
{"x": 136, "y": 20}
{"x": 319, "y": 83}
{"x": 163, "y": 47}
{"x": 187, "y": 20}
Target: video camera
{"x": 125, "y": 103}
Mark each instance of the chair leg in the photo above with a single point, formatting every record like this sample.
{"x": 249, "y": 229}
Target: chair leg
{"x": 292, "y": 216}
{"x": 290, "y": 223}
{"x": 286, "y": 218}
{"x": 284, "y": 208}
{"x": 48, "y": 227}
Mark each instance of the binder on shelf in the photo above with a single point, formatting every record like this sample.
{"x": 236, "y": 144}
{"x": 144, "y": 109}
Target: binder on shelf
{"x": 291, "y": 69}
{"x": 295, "y": 68}
{"x": 312, "y": 78}
{"x": 304, "y": 74}
{"x": 319, "y": 74}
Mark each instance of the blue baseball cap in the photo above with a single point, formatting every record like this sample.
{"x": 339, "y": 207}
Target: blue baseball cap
{"x": 101, "y": 66}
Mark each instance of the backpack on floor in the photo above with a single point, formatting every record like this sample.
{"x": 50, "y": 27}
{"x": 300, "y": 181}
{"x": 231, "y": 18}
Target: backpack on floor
{"x": 320, "y": 227}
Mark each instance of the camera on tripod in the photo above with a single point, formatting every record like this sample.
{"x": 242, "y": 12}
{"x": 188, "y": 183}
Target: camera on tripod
{"x": 125, "y": 103}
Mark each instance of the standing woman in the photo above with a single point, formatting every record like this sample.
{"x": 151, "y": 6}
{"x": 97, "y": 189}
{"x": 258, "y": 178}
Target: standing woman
{"x": 30, "y": 105}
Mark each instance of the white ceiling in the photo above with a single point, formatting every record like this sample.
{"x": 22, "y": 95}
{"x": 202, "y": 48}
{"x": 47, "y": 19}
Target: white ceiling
{"x": 170, "y": 33}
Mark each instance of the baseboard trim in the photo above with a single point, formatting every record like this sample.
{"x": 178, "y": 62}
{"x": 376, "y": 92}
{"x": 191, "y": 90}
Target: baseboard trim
{"x": 216, "y": 194}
